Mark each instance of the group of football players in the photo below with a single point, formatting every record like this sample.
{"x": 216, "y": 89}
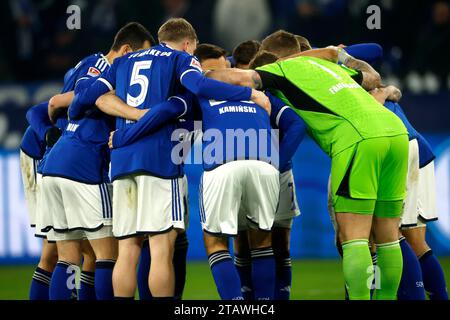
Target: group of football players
{"x": 108, "y": 194}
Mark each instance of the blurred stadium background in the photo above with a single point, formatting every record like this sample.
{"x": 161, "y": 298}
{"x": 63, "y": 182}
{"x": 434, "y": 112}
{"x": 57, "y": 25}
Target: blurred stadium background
{"x": 37, "y": 49}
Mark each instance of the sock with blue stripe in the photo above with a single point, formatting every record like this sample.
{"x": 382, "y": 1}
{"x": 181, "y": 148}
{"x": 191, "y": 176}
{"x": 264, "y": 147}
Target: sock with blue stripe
{"x": 179, "y": 264}
{"x": 87, "y": 286}
{"x": 61, "y": 287}
{"x": 283, "y": 272}
{"x": 243, "y": 266}
{"x": 411, "y": 283}
{"x": 225, "y": 275}
{"x": 263, "y": 273}
{"x": 143, "y": 271}
{"x": 40, "y": 284}
{"x": 433, "y": 276}
{"x": 103, "y": 279}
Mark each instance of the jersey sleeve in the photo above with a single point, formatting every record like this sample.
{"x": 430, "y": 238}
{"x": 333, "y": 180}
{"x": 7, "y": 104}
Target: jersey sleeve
{"x": 174, "y": 107}
{"x": 190, "y": 75}
{"x": 90, "y": 69}
{"x": 108, "y": 78}
{"x": 291, "y": 126}
{"x": 37, "y": 117}
{"x": 77, "y": 109}
{"x": 186, "y": 64}
{"x": 271, "y": 75}
{"x": 89, "y": 93}
{"x": 369, "y": 52}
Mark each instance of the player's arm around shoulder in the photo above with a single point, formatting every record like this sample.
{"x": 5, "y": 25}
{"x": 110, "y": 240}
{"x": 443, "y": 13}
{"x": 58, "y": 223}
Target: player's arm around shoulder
{"x": 112, "y": 105}
{"x": 159, "y": 114}
{"x": 58, "y": 102}
{"x": 239, "y": 77}
{"x": 370, "y": 80}
{"x": 386, "y": 93}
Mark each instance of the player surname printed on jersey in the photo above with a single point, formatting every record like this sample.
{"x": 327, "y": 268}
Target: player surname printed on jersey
{"x": 338, "y": 87}
{"x": 72, "y": 127}
{"x": 151, "y": 52}
{"x": 245, "y": 109}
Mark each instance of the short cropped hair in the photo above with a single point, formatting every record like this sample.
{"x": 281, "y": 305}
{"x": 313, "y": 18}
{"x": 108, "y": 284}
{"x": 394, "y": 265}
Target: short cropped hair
{"x": 262, "y": 58}
{"x": 281, "y": 43}
{"x": 244, "y": 52}
{"x": 303, "y": 42}
{"x": 134, "y": 34}
{"x": 176, "y": 30}
{"x": 206, "y": 51}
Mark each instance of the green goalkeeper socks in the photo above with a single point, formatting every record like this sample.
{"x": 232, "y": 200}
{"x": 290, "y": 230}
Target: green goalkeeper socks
{"x": 358, "y": 268}
{"x": 390, "y": 266}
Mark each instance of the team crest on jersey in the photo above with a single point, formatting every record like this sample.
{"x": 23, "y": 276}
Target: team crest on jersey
{"x": 94, "y": 72}
{"x": 194, "y": 63}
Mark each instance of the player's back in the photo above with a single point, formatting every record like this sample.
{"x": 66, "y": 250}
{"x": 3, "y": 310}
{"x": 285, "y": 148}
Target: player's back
{"x": 148, "y": 77}
{"x": 338, "y": 111}
{"x": 236, "y": 130}
{"x": 82, "y": 152}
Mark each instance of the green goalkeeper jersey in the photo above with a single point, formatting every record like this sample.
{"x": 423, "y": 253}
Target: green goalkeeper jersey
{"x": 336, "y": 109}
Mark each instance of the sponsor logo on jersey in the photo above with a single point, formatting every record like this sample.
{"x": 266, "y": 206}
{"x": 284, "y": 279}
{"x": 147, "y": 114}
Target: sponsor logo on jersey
{"x": 194, "y": 63}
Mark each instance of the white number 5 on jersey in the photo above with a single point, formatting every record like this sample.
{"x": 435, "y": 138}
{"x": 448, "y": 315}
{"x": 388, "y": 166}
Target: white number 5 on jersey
{"x": 141, "y": 80}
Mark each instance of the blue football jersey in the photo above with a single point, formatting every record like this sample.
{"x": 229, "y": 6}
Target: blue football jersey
{"x": 292, "y": 130}
{"x": 31, "y": 145}
{"x": 236, "y": 130}
{"x": 91, "y": 66}
{"x": 82, "y": 153}
{"x": 426, "y": 154}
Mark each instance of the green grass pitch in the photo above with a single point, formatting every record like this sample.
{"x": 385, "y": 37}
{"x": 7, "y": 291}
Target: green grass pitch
{"x": 312, "y": 280}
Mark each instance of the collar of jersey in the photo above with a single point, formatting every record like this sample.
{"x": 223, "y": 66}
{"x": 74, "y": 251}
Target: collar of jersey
{"x": 106, "y": 60}
{"x": 167, "y": 46}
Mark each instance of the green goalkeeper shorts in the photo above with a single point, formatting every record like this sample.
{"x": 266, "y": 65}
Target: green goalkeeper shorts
{"x": 370, "y": 177}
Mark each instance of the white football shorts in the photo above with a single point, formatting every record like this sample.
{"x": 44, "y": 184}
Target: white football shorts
{"x": 288, "y": 207}
{"x": 28, "y": 168}
{"x": 77, "y": 210}
{"x": 145, "y": 204}
{"x": 237, "y": 195}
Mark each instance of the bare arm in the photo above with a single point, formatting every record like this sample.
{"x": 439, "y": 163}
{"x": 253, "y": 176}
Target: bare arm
{"x": 111, "y": 104}
{"x": 330, "y": 54}
{"x": 240, "y": 77}
{"x": 245, "y": 78}
{"x": 250, "y": 78}
{"x": 371, "y": 78}
{"x": 58, "y": 102}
